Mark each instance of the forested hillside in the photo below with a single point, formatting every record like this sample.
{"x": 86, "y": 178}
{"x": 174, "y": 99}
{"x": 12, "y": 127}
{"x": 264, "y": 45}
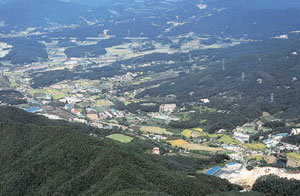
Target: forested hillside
{"x": 43, "y": 157}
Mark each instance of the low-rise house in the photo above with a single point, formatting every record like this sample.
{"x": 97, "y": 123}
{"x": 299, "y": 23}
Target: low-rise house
{"x": 204, "y": 100}
{"x": 241, "y": 137}
{"x": 68, "y": 106}
{"x": 280, "y": 136}
{"x": 213, "y": 170}
{"x": 236, "y": 157}
{"x": 93, "y": 135}
{"x": 156, "y": 150}
{"x": 270, "y": 142}
{"x": 169, "y": 108}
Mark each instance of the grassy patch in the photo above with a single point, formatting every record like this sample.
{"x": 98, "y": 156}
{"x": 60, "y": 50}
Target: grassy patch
{"x": 13, "y": 83}
{"x": 120, "y": 138}
{"x": 256, "y": 146}
{"x": 227, "y": 140}
{"x": 59, "y": 96}
{"x": 103, "y": 102}
{"x": 256, "y": 157}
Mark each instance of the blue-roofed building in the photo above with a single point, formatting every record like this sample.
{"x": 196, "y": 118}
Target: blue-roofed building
{"x": 33, "y": 110}
{"x": 68, "y": 106}
{"x": 233, "y": 163}
{"x": 213, "y": 170}
{"x": 267, "y": 140}
{"x": 281, "y": 134}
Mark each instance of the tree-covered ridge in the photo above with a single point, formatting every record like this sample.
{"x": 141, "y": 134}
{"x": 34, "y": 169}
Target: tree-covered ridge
{"x": 275, "y": 186}
{"x": 41, "y": 157}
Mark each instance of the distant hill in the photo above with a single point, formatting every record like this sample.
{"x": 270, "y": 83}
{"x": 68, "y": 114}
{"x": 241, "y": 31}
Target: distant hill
{"x": 43, "y": 157}
{"x": 24, "y": 13}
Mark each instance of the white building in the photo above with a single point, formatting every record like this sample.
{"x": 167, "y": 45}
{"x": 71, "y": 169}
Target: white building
{"x": 241, "y": 137}
{"x": 295, "y": 131}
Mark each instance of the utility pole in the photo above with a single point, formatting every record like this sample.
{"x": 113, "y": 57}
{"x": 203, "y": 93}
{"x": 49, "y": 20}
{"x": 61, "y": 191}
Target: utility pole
{"x": 190, "y": 57}
{"x": 272, "y": 97}
{"x": 243, "y": 76}
{"x": 223, "y": 64}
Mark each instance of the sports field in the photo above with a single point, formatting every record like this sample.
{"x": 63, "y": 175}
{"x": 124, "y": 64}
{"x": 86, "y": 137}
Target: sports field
{"x": 120, "y": 138}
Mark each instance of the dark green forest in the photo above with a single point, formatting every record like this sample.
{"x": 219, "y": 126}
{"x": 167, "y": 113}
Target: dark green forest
{"x": 43, "y": 157}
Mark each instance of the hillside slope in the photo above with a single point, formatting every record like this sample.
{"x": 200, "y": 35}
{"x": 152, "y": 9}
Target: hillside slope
{"x": 41, "y": 157}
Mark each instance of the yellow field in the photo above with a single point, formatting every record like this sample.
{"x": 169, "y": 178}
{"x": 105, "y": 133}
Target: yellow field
{"x": 94, "y": 97}
{"x": 187, "y": 133}
{"x": 157, "y": 130}
{"x": 178, "y": 143}
{"x": 103, "y": 102}
{"x": 198, "y": 129}
{"x": 294, "y": 155}
{"x": 55, "y": 93}
{"x": 256, "y": 146}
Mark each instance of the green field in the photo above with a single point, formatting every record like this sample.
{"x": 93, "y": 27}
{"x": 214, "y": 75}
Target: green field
{"x": 227, "y": 140}
{"x": 256, "y": 157}
{"x": 187, "y": 133}
{"x": 120, "y": 138}
{"x": 256, "y": 146}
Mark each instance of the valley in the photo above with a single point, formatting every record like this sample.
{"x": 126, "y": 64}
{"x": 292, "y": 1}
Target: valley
{"x": 183, "y": 76}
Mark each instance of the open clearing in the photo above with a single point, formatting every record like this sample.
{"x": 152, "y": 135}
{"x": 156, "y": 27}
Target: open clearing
{"x": 190, "y": 146}
{"x": 155, "y": 130}
{"x": 120, "y": 138}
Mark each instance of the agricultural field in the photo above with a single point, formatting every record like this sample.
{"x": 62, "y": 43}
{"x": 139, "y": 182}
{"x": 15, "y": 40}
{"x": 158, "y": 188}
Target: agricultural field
{"x": 13, "y": 83}
{"x": 178, "y": 143}
{"x": 227, "y": 140}
{"x": 294, "y": 155}
{"x": 53, "y": 92}
{"x": 187, "y": 133}
{"x": 257, "y": 157}
{"x": 85, "y": 82}
{"x": 120, "y": 138}
{"x": 198, "y": 147}
{"x": 103, "y": 102}
{"x": 198, "y": 129}
{"x": 155, "y": 130}
{"x": 256, "y": 146}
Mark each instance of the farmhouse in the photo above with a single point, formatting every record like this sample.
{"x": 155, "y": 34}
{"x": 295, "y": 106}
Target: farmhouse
{"x": 155, "y": 150}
